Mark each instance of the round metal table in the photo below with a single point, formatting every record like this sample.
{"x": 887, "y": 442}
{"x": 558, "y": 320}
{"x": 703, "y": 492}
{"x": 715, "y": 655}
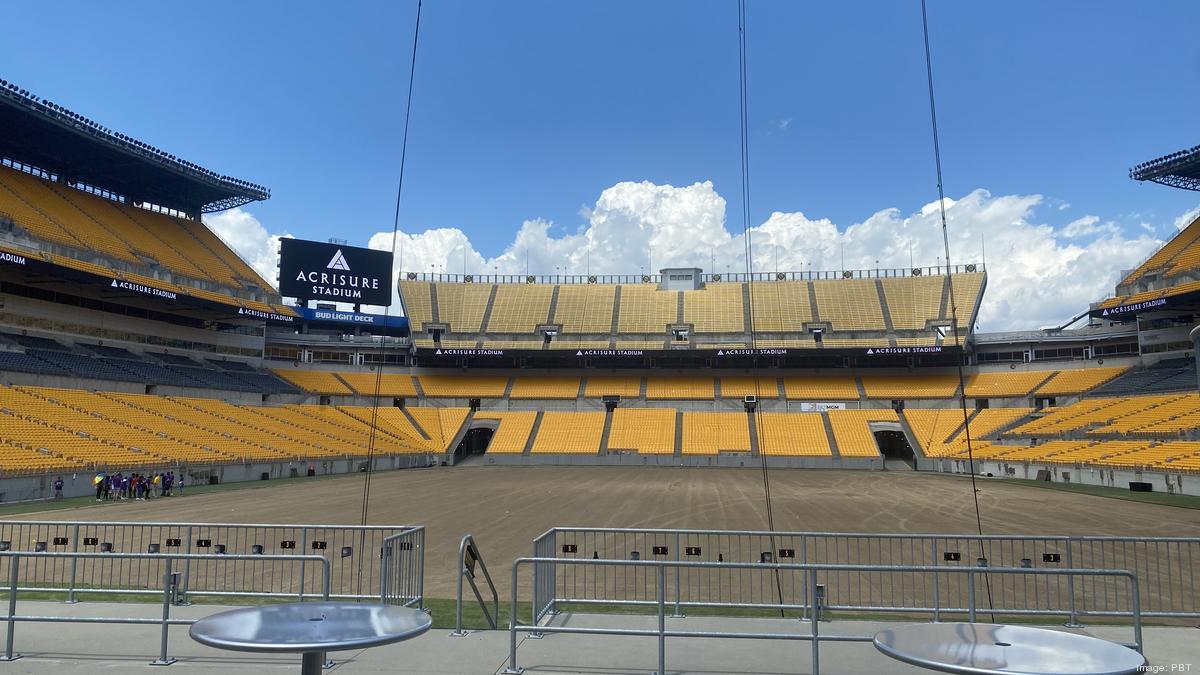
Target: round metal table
{"x": 311, "y": 628}
{"x": 991, "y": 649}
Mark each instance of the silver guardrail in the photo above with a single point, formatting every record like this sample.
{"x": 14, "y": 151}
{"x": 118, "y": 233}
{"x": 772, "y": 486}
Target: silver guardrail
{"x": 814, "y": 575}
{"x": 350, "y": 550}
{"x": 468, "y": 558}
{"x": 402, "y": 568}
{"x": 1167, "y": 568}
{"x": 170, "y": 587}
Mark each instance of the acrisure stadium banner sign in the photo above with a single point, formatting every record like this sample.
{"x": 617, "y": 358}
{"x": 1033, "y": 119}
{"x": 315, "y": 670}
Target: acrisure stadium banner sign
{"x": 312, "y": 270}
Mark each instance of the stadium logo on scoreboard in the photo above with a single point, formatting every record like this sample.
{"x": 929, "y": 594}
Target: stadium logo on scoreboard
{"x": 310, "y": 270}
{"x": 139, "y": 288}
{"x": 13, "y": 258}
{"x": 338, "y": 262}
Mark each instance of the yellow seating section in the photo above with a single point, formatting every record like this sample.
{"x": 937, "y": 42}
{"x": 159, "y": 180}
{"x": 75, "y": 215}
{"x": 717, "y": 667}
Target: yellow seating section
{"x": 926, "y": 341}
{"x": 316, "y": 381}
{"x": 65, "y": 428}
{"x": 462, "y": 306}
{"x": 709, "y": 433}
{"x": 511, "y": 437}
{"x": 680, "y": 387}
{"x": 792, "y": 434}
{"x": 647, "y": 431}
{"x": 440, "y": 424}
{"x": 569, "y": 433}
{"x": 640, "y": 344}
{"x": 967, "y": 288}
{"x": 645, "y": 309}
{"x": 910, "y": 386}
{"x": 459, "y": 343}
{"x": 737, "y": 386}
{"x": 573, "y": 342}
{"x": 820, "y": 388}
{"x": 512, "y": 344}
{"x": 1187, "y": 241}
{"x": 780, "y": 307}
{"x": 933, "y": 429}
{"x": 1078, "y": 381}
{"x": 392, "y": 421}
{"x": 1005, "y": 384}
{"x": 545, "y": 386}
{"x": 1168, "y": 416}
{"x": 585, "y": 308}
{"x": 913, "y": 301}
{"x": 463, "y": 386}
{"x": 390, "y": 384}
{"x": 418, "y": 305}
{"x": 624, "y": 386}
{"x": 1104, "y": 412}
{"x": 849, "y": 304}
{"x": 837, "y": 342}
{"x": 985, "y": 422}
{"x": 806, "y": 342}
{"x": 718, "y": 308}
{"x": 71, "y": 217}
{"x": 518, "y": 308}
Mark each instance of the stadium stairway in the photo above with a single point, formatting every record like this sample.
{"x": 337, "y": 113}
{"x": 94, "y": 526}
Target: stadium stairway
{"x": 533, "y": 432}
{"x": 833, "y": 446}
{"x": 755, "y": 439}
{"x": 608, "y": 420}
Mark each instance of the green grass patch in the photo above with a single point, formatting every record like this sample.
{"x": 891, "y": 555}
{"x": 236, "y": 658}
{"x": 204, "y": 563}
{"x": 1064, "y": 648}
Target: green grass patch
{"x": 1160, "y": 498}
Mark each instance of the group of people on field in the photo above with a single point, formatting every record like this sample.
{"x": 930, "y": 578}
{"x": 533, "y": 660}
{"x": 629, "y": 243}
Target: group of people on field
{"x": 136, "y": 486}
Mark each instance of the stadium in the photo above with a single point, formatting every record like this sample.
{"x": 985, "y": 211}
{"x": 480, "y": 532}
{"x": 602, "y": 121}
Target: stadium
{"x": 631, "y": 420}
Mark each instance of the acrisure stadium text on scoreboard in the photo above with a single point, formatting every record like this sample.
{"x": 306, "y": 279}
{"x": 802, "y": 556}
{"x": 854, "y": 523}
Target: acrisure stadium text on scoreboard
{"x": 312, "y": 270}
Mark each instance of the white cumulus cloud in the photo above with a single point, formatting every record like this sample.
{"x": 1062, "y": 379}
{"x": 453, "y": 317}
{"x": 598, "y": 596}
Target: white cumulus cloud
{"x": 1037, "y": 274}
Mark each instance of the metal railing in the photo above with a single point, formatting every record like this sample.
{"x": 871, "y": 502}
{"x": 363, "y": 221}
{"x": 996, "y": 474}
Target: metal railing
{"x": 1167, "y": 569}
{"x": 170, "y": 588}
{"x": 402, "y": 568}
{"x": 468, "y": 557}
{"x": 349, "y": 550}
{"x": 814, "y": 575}
{"x": 715, "y": 277}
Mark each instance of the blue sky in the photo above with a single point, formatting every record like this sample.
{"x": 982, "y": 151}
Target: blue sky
{"x": 531, "y": 110}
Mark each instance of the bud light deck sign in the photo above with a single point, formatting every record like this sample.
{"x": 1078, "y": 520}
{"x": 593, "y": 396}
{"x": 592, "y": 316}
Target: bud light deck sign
{"x": 311, "y": 270}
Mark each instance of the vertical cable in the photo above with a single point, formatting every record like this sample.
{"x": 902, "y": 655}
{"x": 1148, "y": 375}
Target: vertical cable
{"x": 366, "y": 489}
{"x": 748, "y": 251}
{"x": 962, "y": 386}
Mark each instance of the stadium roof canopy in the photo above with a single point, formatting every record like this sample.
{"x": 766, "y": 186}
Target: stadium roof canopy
{"x": 47, "y": 136}
{"x": 1178, "y": 169}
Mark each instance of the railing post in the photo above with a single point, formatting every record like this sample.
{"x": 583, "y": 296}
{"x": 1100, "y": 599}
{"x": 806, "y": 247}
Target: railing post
{"x": 807, "y": 574}
{"x": 163, "y": 659}
{"x": 303, "y": 563}
{"x": 74, "y": 564}
{"x": 462, "y": 571}
{"x": 384, "y": 568}
{"x": 187, "y": 570}
{"x": 677, "y": 613}
{"x": 815, "y": 622}
{"x": 971, "y": 594}
{"x": 937, "y": 600}
{"x": 1074, "y": 619}
{"x": 512, "y": 668}
{"x": 662, "y": 619}
{"x": 13, "y": 567}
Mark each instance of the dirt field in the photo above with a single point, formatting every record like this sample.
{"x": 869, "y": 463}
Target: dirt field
{"x": 506, "y": 507}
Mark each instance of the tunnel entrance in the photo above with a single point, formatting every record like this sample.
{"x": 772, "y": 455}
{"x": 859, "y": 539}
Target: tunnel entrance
{"x": 474, "y": 442}
{"x": 898, "y": 455}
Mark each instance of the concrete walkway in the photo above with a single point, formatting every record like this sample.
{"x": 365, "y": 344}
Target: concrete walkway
{"x": 55, "y": 648}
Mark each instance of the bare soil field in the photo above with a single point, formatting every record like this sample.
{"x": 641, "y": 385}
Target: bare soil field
{"x": 506, "y": 507}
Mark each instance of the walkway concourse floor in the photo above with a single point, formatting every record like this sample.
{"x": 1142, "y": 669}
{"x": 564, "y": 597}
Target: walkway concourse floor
{"x": 58, "y": 648}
